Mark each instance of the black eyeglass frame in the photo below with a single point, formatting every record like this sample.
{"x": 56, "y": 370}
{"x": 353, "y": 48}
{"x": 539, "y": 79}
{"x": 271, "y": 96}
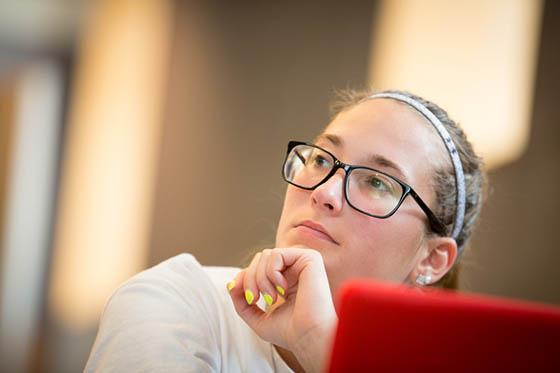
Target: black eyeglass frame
{"x": 435, "y": 224}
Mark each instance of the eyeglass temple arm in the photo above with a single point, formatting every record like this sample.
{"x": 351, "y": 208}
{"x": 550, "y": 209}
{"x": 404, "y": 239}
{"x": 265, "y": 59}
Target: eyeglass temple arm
{"x": 436, "y": 224}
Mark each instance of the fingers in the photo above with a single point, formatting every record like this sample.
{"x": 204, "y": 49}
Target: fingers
{"x": 250, "y": 314}
{"x": 265, "y": 285}
{"x": 260, "y": 281}
{"x": 245, "y": 290}
{"x": 252, "y": 293}
{"x": 275, "y": 272}
{"x": 263, "y": 278}
{"x": 274, "y": 267}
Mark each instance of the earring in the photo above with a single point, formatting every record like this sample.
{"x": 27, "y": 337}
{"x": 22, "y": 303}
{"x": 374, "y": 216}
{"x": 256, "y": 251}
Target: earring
{"x": 423, "y": 280}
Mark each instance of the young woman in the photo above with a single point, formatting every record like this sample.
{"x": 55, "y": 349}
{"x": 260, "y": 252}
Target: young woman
{"x": 390, "y": 191}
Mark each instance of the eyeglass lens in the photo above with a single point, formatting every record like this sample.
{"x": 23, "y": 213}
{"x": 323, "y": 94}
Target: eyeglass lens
{"x": 367, "y": 190}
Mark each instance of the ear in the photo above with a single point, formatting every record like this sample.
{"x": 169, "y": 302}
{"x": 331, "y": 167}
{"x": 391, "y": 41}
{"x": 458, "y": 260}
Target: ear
{"x": 437, "y": 259}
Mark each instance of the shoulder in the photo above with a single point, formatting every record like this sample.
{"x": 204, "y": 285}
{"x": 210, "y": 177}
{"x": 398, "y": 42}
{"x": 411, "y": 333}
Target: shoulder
{"x": 170, "y": 288}
{"x": 179, "y": 281}
{"x": 173, "y": 309}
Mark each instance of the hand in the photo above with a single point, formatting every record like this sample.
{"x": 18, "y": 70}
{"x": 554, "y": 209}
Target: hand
{"x": 304, "y": 321}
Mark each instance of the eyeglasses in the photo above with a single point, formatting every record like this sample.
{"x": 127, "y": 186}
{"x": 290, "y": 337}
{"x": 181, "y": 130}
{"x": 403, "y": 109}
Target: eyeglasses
{"x": 367, "y": 190}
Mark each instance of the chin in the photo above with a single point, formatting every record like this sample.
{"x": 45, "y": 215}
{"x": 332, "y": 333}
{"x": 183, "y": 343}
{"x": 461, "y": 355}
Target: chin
{"x": 306, "y": 242}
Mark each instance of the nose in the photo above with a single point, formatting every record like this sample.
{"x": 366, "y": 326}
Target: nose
{"x": 329, "y": 196}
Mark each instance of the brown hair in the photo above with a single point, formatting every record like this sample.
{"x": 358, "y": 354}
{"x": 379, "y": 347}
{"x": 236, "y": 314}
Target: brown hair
{"x": 444, "y": 178}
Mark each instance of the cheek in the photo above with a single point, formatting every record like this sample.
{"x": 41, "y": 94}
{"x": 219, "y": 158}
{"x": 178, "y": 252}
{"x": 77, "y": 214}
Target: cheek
{"x": 381, "y": 248}
{"x": 292, "y": 200}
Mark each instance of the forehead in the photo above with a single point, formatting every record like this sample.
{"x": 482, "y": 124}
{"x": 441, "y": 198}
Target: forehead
{"x": 392, "y": 130}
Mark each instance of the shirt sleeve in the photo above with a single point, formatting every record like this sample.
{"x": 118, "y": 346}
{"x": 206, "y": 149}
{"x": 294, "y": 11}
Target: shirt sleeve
{"x": 162, "y": 320}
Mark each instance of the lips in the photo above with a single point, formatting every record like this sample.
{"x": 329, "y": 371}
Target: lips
{"x": 316, "y": 229}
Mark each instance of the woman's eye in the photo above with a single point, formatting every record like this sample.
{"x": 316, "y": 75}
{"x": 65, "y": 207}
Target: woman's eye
{"x": 320, "y": 161}
{"x": 379, "y": 185}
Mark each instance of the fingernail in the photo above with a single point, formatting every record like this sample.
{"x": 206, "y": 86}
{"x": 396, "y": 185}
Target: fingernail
{"x": 230, "y": 285}
{"x": 267, "y": 299}
{"x": 280, "y": 289}
{"x": 249, "y": 296}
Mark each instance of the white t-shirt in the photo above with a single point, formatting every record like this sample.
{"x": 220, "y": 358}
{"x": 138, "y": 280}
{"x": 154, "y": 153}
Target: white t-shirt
{"x": 178, "y": 317}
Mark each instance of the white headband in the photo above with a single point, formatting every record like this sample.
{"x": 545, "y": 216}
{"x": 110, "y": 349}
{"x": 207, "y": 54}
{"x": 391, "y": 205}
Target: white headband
{"x": 451, "y": 149}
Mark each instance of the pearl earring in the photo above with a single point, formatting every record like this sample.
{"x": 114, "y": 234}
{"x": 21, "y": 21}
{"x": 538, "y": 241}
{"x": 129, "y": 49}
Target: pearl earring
{"x": 423, "y": 279}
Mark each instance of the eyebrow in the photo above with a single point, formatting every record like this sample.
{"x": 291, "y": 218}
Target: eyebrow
{"x": 334, "y": 139}
{"x": 374, "y": 158}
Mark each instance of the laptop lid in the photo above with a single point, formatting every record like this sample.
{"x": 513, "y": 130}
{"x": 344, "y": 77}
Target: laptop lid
{"x": 388, "y": 328}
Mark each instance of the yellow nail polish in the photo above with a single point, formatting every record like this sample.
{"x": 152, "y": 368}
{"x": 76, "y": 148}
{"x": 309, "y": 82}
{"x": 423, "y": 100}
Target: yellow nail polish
{"x": 280, "y": 289}
{"x": 267, "y": 299}
{"x": 230, "y": 285}
{"x": 249, "y": 296}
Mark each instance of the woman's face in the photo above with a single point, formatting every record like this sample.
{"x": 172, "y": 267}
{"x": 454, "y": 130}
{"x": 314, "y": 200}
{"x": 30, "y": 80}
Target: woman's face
{"x": 381, "y": 134}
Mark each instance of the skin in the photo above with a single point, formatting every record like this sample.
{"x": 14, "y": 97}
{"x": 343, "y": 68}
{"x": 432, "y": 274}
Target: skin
{"x": 311, "y": 266}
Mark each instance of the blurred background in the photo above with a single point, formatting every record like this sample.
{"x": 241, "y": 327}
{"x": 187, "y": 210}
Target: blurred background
{"x": 131, "y": 131}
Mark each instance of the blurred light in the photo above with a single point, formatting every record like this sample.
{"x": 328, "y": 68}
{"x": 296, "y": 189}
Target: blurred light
{"x": 30, "y": 200}
{"x": 476, "y": 59}
{"x": 110, "y": 157}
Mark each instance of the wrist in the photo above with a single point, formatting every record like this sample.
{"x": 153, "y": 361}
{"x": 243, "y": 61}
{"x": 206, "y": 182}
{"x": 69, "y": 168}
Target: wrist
{"x": 313, "y": 349}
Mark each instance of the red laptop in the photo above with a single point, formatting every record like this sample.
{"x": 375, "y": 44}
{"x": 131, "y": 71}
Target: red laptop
{"x": 384, "y": 328}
